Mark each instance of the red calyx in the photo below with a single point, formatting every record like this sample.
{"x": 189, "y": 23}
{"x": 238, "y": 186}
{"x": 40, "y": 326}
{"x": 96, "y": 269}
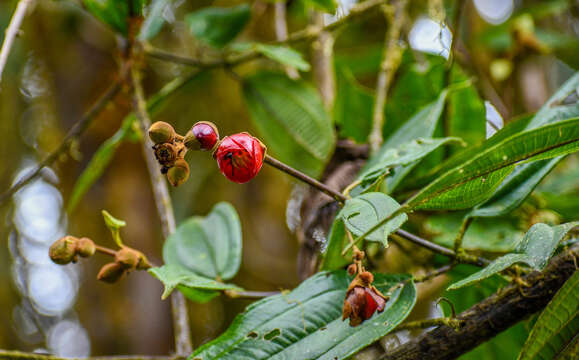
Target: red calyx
{"x": 240, "y": 157}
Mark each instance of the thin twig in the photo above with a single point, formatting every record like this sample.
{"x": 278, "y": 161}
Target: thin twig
{"x": 461, "y": 231}
{"x": 105, "y": 250}
{"x": 75, "y": 132}
{"x": 19, "y": 355}
{"x": 303, "y": 177}
{"x": 391, "y": 57}
{"x": 281, "y": 33}
{"x": 12, "y": 31}
{"x": 434, "y": 273}
{"x": 183, "y": 344}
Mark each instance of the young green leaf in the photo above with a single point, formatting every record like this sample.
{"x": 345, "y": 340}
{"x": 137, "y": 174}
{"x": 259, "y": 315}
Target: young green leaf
{"x": 535, "y": 250}
{"x": 363, "y": 212}
{"x": 197, "y": 288}
{"x": 209, "y": 246}
{"x": 284, "y": 55}
{"x": 114, "y": 13}
{"x": 291, "y": 119}
{"x": 218, "y": 26}
{"x": 307, "y": 322}
{"x": 114, "y": 226}
{"x": 554, "y": 335}
{"x": 332, "y": 258}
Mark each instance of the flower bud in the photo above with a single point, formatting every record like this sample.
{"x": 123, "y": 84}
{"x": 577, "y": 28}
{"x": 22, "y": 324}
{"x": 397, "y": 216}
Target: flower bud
{"x": 161, "y": 132}
{"x": 166, "y": 154}
{"x": 240, "y": 157}
{"x": 202, "y": 136}
{"x": 179, "y": 173}
{"x": 128, "y": 258}
{"x": 352, "y": 268}
{"x": 111, "y": 272}
{"x": 63, "y": 250}
{"x": 85, "y": 247}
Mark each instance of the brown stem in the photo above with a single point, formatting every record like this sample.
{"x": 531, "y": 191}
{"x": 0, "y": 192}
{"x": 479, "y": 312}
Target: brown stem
{"x": 183, "y": 344}
{"x": 434, "y": 273}
{"x": 323, "y": 63}
{"x": 305, "y": 178}
{"x": 105, "y": 250}
{"x": 493, "y": 315}
{"x": 250, "y": 294}
{"x": 75, "y": 132}
{"x": 281, "y": 33}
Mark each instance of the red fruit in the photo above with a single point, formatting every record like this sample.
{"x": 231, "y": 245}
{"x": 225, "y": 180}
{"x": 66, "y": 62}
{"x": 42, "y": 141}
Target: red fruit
{"x": 240, "y": 157}
{"x": 203, "y": 135}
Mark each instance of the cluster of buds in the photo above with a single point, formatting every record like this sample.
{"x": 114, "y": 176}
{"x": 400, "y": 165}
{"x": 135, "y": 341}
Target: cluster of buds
{"x": 362, "y": 298}
{"x": 239, "y": 156}
{"x": 126, "y": 260}
{"x": 67, "y": 249}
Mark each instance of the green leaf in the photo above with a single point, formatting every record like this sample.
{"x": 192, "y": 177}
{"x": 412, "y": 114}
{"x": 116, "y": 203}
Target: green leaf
{"x": 523, "y": 180}
{"x": 363, "y": 212}
{"x": 113, "y": 12}
{"x": 493, "y": 235}
{"x": 196, "y": 288}
{"x": 555, "y": 332}
{"x": 535, "y": 250}
{"x": 473, "y": 181}
{"x": 307, "y": 322}
{"x": 291, "y": 119}
{"x": 209, "y": 246}
{"x": 402, "y": 155}
{"x": 328, "y": 6}
{"x": 284, "y": 55}
{"x": 154, "y": 19}
{"x": 112, "y": 222}
{"x": 353, "y": 98}
{"x": 218, "y": 26}
{"x": 100, "y": 161}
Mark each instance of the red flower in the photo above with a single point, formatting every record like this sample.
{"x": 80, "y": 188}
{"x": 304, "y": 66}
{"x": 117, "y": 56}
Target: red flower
{"x": 240, "y": 157}
{"x": 362, "y": 300}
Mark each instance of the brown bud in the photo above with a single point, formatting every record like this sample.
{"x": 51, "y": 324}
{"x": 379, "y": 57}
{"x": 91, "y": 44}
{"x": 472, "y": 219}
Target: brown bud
{"x": 359, "y": 255}
{"x": 85, "y": 247}
{"x": 179, "y": 173}
{"x": 366, "y": 277}
{"x": 352, "y": 269}
{"x": 111, "y": 272}
{"x": 128, "y": 258}
{"x": 161, "y": 132}
{"x": 166, "y": 154}
{"x": 63, "y": 250}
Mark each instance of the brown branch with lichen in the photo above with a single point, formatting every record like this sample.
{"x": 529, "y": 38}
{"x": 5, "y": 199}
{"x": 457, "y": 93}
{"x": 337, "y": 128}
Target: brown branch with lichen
{"x": 493, "y": 315}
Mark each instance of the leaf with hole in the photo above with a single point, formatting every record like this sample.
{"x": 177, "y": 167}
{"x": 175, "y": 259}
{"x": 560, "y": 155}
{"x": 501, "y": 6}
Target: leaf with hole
{"x": 218, "y": 26}
{"x": 363, "y": 212}
{"x": 195, "y": 287}
{"x": 208, "y": 246}
{"x": 307, "y": 322}
{"x": 554, "y": 335}
{"x": 535, "y": 250}
{"x": 291, "y": 118}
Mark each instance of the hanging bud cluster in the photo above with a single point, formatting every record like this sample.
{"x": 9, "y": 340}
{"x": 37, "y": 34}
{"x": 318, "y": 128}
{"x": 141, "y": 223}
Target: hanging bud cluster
{"x": 239, "y": 156}
{"x": 67, "y": 249}
{"x": 362, "y": 298}
{"x": 126, "y": 260}
{"x": 170, "y": 152}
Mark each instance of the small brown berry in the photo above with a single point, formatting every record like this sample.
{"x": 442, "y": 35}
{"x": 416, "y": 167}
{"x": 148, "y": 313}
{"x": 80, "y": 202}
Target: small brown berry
{"x": 128, "y": 258}
{"x": 359, "y": 255}
{"x": 63, "y": 250}
{"x": 179, "y": 173}
{"x": 366, "y": 277}
{"x": 161, "y": 132}
{"x": 352, "y": 269}
{"x": 111, "y": 272}
{"x": 85, "y": 247}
